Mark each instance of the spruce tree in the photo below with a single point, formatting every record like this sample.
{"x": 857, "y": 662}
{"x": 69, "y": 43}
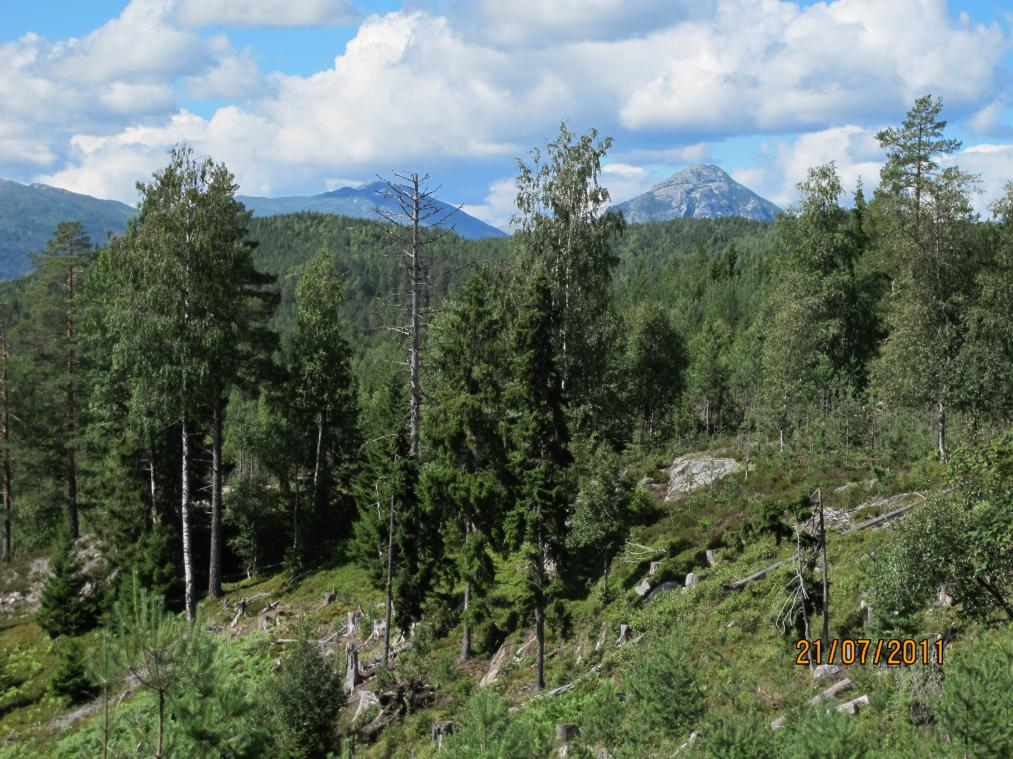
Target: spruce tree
{"x": 539, "y": 457}
{"x": 809, "y": 325}
{"x": 64, "y": 606}
{"x": 466, "y": 474}
{"x": 397, "y": 536}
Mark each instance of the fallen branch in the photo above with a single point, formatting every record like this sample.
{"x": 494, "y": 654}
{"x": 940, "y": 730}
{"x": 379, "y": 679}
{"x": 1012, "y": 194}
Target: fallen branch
{"x": 863, "y": 525}
{"x": 757, "y": 575}
{"x": 883, "y": 517}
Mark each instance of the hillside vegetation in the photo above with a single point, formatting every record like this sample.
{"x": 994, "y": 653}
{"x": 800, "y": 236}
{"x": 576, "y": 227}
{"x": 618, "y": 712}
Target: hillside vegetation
{"x": 583, "y": 494}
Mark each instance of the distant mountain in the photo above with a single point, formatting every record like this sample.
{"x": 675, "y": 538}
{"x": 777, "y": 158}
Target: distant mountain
{"x": 699, "y": 192}
{"x": 360, "y": 203}
{"x": 29, "y": 214}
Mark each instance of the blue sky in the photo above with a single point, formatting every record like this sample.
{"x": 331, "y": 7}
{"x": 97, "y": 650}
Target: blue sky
{"x": 300, "y": 96}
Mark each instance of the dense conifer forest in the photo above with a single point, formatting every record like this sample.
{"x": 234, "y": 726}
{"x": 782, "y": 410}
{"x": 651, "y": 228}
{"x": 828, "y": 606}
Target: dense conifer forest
{"x": 310, "y": 486}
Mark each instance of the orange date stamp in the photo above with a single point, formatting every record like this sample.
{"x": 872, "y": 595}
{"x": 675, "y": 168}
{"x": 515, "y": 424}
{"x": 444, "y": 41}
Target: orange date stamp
{"x": 891, "y": 652}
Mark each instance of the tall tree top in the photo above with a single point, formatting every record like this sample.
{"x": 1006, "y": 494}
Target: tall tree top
{"x": 912, "y": 148}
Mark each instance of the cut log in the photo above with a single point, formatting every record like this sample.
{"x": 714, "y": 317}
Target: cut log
{"x": 689, "y": 742}
{"x": 863, "y": 525}
{"x": 495, "y": 665}
{"x": 883, "y": 517}
{"x": 832, "y": 692}
{"x": 854, "y": 705}
{"x": 561, "y": 690}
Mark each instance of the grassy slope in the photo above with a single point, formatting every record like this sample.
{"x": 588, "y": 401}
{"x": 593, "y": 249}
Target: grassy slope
{"x": 745, "y": 661}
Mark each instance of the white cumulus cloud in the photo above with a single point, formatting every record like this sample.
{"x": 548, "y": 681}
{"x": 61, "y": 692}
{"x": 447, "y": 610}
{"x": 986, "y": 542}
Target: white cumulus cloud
{"x": 277, "y": 13}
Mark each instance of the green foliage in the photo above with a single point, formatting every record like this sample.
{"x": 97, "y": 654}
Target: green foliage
{"x": 653, "y": 366}
{"x": 602, "y": 513}
{"x": 961, "y": 541}
{"x": 974, "y": 707}
{"x": 66, "y": 606}
{"x": 825, "y": 735}
{"x": 303, "y": 699}
{"x": 664, "y": 688}
{"x": 488, "y": 731}
{"x": 251, "y": 515}
{"x": 154, "y": 561}
{"x": 70, "y": 678}
{"x": 564, "y": 233}
{"x": 601, "y": 720}
{"x": 742, "y": 734}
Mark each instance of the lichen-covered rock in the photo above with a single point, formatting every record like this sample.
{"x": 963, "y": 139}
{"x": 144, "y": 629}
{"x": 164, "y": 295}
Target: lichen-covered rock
{"x": 695, "y": 471}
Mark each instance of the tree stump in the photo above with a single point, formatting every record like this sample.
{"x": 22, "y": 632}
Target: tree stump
{"x": 624, "y": 634}
{"x": 329, "y": 597}
{"x": 565, "y": 733}
{"x": 352, "y": 677}
{"x": 441, "y": 730}
{"x": 655, "y": 566}
{"x": 712, "y": 557}
{"x": 691, "y": 580}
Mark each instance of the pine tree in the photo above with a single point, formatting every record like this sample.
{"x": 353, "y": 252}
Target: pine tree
{"x": 53, "y": 323}
{"x": 931, "y": 235}
{"x": 540, "y": 457}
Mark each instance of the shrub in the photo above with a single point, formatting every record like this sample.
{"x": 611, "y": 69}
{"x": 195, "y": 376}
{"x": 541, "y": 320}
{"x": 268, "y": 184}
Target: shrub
{"x": 975, "y": 702}
{"x": 740, "y": 735}
{"x": 824, "y": 735}
{"x": 70, "y": 679}
{"x": 488, "y": 731}
{"x": 664, "y": 690}
{"x": 304, "y": 699}
{"x": 601, "y": 720}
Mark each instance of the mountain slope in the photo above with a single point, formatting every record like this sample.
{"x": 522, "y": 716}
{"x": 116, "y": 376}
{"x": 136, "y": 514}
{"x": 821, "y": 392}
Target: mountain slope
{"x": 699, "y": 192}
{"x": 360, "y": 203}
{"x": 29, "y": 215}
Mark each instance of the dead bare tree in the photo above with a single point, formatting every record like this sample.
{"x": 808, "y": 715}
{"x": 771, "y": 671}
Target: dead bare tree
{"x": 415, "y": 215}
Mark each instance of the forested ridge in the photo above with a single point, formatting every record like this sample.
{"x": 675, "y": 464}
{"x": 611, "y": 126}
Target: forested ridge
{"x": 309, "y": 486}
